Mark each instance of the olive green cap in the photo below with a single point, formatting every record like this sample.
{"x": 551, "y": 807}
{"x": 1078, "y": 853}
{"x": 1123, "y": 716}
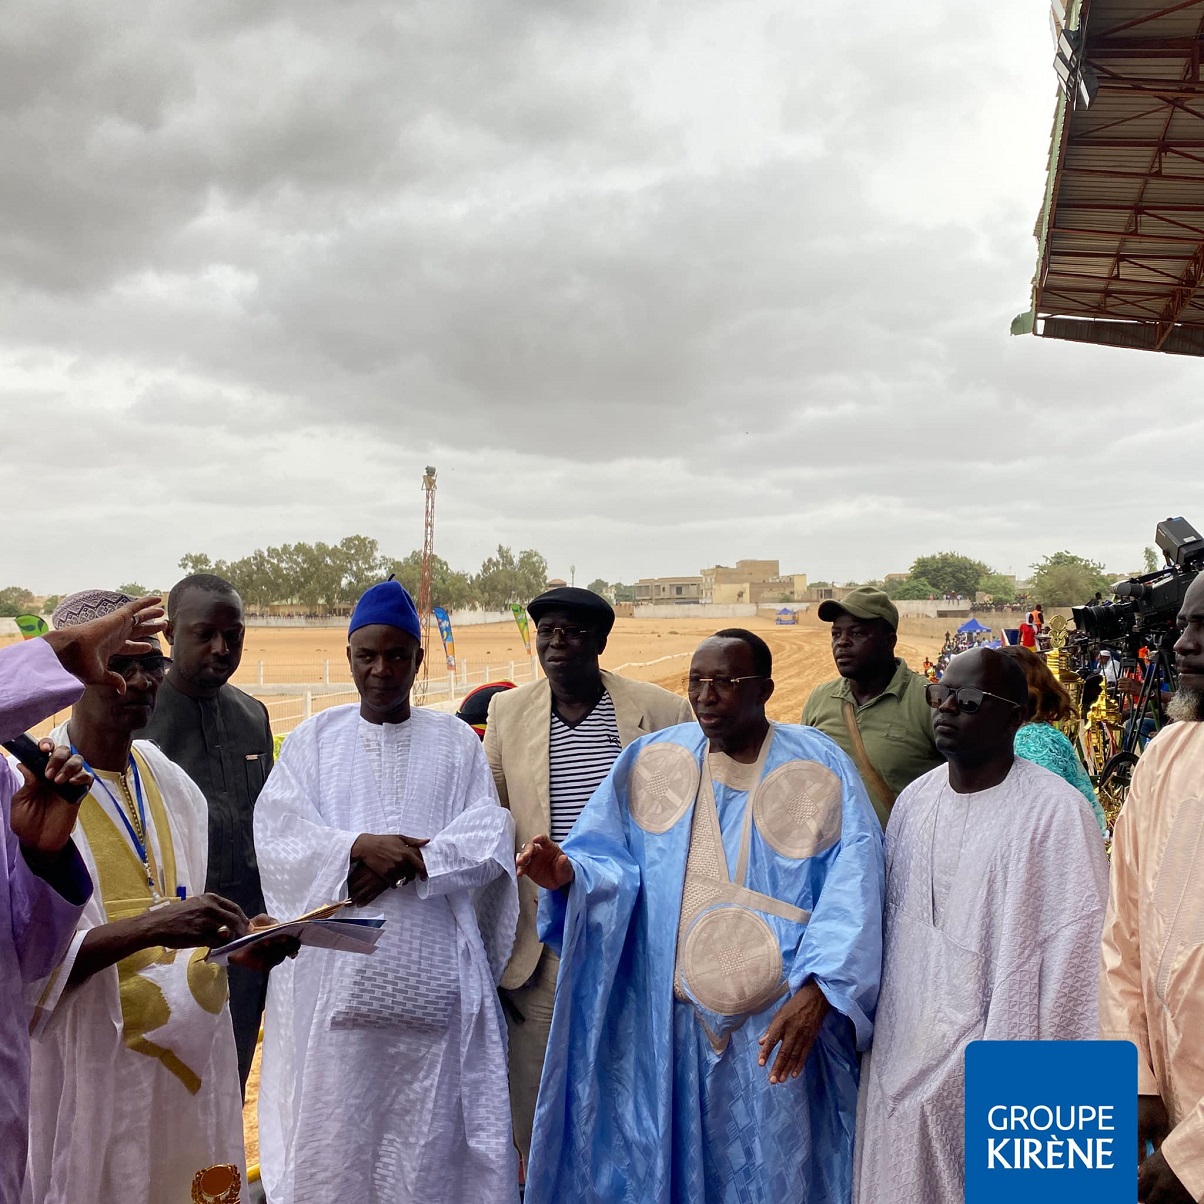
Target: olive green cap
{"x": 864, "y": 602}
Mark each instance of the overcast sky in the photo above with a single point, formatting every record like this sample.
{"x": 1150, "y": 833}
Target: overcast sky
{"x": 654, "y": 285}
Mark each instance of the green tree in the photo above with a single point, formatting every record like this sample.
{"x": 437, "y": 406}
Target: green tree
{"x": 133, "y": 589}
{"x": 912, "y": 589}
{"x": 949, "y": 573}
{"x": 1064, "y": 579}
{"x": 359, "y": 563}
{"x": 505, "y": 579}
{"x": 532, "y": 574}
{"x": 195, "y": 562}
{"x": 14, "y": 600}
{"x": 1153, "y": 562}
{"x": 623, "y": 593}
{"x": 321, "y": 574}
{"x": 598, "y": 586}
{"x": 450, "y": 588}
{"x": 50, "y": 603}
{"x": 998, "y": 587}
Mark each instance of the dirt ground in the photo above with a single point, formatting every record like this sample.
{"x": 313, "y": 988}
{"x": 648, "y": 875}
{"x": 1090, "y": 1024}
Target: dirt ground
{"x": 647, "y": 649}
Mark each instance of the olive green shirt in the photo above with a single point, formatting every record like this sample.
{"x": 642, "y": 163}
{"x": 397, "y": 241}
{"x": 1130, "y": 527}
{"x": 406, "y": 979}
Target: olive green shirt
{"x": 896, "y": 728}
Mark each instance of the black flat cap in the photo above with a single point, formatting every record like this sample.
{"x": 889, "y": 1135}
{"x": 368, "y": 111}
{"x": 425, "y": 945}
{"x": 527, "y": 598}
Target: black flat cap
{"x": 593, "y": 607}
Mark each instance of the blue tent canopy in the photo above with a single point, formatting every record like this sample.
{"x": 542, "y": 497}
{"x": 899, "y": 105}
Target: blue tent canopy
{"x": 971, "y": 626}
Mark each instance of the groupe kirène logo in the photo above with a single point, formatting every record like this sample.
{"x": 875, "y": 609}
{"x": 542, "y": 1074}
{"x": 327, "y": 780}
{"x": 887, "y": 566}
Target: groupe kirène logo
{"x": 1063, "y": 1143}
{"x": 1051, "y": 1121}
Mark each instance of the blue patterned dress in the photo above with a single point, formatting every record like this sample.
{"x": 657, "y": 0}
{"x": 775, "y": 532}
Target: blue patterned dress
{"x": 1044, "y": 745}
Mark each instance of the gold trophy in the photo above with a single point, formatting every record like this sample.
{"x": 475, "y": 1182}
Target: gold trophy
{"x": 221, "y": 1184}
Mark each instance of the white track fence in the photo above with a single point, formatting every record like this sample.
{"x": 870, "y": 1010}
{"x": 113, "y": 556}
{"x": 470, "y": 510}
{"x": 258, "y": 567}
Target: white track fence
{"x": 292, "y": 692}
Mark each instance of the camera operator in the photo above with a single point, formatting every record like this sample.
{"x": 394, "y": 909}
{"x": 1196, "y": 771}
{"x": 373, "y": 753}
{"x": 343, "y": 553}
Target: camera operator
{"x": 1152, "y": 979}
{"x": 1108, "y": 667}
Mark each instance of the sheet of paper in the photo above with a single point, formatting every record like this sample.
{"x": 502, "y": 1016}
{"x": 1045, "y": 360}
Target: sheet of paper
{"x": 348, "y": 934}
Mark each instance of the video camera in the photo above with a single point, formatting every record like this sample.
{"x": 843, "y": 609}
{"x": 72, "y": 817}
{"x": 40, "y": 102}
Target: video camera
{"x": 1149, "y": 605}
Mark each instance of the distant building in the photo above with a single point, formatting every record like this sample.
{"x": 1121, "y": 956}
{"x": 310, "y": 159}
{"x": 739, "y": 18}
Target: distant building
{"x": 821, "y": 593}
{"x": 752, "y": 581}
{"x": 557, "y": 583}
{"x": 675, "y": 590}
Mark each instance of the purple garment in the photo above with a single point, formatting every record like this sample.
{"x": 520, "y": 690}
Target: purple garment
{"x": 36, "y": 922}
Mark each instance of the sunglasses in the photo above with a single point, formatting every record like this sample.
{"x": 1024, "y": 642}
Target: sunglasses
{"x": 967, "y": 699}
{"x": 574, "y": 635}
{"x": 721, "y": 685}
{"x": 154, "y": 665}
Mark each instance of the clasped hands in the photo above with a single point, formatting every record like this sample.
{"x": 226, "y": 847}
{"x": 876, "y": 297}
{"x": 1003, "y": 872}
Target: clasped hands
{"x": 796, "y": 1023}
{"x": 379, "y": 863}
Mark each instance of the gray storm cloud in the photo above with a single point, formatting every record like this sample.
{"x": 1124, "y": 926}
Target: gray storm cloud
{"x": 655, "y": 285}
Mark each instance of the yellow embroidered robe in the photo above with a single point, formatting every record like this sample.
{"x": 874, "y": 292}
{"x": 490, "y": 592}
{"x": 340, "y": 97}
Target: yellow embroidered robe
{"x": 134, "y": 1085}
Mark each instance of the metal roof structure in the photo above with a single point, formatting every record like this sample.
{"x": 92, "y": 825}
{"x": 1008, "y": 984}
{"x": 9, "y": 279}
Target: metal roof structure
{"x": 1121, "y": 233}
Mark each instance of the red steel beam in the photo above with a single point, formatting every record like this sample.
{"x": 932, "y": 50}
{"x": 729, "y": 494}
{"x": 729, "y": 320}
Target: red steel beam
{"x": 1110, "y": 173}
{"x": 1181, "y": 297}
{"x": 1085, "y": 140}
{"x": 1123, "y": 235}
{"x": 1148, "y": 17}
{"x": 1152, "y": 208}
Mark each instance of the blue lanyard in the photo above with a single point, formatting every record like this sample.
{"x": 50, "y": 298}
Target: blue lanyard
{"x": 139, "y": 847}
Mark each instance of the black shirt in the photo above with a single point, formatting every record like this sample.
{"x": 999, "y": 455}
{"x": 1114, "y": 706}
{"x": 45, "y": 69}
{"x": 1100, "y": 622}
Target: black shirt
{"x": 225, "y": 745}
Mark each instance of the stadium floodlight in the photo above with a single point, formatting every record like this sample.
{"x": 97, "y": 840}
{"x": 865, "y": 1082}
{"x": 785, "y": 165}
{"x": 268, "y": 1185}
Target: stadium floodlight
{"x": 1076, "y": 79}
{"x": 1065, "y": 72}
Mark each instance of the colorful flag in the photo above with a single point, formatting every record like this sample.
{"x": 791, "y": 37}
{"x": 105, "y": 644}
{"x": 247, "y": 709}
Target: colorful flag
{"x": 31, "y": 626}
{"x": 520, "y": 617}
{"x": 449, "y": 644}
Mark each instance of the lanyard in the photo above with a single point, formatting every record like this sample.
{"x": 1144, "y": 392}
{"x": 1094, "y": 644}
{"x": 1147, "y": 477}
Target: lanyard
{"x": 139, "y": 847}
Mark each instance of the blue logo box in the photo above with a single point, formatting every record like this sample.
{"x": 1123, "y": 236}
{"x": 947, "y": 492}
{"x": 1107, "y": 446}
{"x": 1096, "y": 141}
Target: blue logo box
{"x": 1051, "y": 1121}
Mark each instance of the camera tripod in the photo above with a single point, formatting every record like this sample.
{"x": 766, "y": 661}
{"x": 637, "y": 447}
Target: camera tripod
{"x": 1110, "y": 759}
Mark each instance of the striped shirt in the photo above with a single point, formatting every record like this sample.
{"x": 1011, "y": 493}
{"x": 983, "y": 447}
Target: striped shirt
{"x": 580, "y": 757}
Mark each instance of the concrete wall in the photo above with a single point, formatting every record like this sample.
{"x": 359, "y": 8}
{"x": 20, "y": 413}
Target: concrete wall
{"x": 731, "y": 593}
{"x": 694, "y": 612}
{"x": 936, "y": 609}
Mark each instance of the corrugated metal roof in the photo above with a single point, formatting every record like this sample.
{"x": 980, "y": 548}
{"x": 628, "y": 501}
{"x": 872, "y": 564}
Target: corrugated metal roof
{"x": 1122, "y": 233}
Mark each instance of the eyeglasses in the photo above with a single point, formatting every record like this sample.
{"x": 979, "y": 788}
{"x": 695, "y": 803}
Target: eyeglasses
{"x": 572, "y": 634}
{"x": 128, "y": 666}
{"x": 967, "y": 699}
{"x": 722, "y": 685}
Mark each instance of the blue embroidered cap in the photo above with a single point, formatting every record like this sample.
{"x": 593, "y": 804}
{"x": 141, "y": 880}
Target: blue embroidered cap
{"x": 386, "y": 603}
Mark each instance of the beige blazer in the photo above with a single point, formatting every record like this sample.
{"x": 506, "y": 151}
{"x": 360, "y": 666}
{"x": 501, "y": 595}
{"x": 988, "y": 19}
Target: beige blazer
{"x": 516, "y": 744}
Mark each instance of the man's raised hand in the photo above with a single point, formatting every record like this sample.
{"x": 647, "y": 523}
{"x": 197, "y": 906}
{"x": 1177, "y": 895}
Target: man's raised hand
{"x": 84, "y": 650}
{"x": 542, "y": 861}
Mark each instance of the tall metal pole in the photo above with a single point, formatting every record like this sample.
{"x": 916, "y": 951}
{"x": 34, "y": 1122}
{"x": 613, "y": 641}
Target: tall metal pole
{"x": 425, "y": 578}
